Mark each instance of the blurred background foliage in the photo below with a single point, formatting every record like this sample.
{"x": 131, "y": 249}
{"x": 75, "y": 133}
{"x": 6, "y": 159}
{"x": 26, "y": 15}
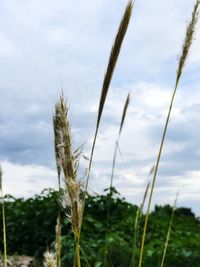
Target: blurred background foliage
{"x": 31, "y": 230}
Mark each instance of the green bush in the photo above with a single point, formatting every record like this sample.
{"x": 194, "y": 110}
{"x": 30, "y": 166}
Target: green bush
{"x": 31, "y": 229}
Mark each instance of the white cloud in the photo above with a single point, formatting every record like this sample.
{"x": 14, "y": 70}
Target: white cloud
{"x": 6, "y": 46}
{"x": 26, "y": 180}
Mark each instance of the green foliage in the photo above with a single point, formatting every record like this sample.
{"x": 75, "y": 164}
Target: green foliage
{"x": 31, "y": 229}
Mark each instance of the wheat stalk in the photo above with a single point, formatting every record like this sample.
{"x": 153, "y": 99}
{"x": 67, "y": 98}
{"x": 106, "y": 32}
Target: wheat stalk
{"x": 184, "y": 54}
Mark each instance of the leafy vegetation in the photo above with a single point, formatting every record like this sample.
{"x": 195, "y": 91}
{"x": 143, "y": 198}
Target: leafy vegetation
{"x": 31, "y": 227}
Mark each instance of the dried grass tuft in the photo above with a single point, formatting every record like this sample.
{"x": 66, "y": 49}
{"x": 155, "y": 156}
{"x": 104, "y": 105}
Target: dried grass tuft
{"x": 68, "y": 160}
{"x": 49, "y": 259}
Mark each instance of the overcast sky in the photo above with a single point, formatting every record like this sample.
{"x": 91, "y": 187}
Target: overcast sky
{"x": 48, "y": 45}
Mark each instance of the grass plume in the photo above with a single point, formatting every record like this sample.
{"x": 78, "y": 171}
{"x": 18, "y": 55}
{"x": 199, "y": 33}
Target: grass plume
{"x": 109, "y": 72}
{"x": 3, "y": 219}
{"x": 119, "y": 134}
{"x": 58, "y": 165}
{"x": 182, "y": 60}
{"x": 49, "y": 259}
{"x": 69, "y": 161}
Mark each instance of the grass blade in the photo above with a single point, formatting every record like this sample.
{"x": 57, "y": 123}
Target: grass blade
{"x": 185, "y": 50}
{"x": 124, "y": 113}
{"x": 107, "y": 79}
{"x": 110, "y": 70}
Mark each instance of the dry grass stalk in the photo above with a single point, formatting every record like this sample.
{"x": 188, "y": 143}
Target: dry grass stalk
{"x": 49, "y": 259}
{"x": 69, "y": 161}
{"x": 56, "y": 143}
{"x": 4, "y": 220}
{"x": 124, "y": 113}
{"x": 169, "y": 231}
{"x": 184, "y": 54}
{"x": 106, "y": 83}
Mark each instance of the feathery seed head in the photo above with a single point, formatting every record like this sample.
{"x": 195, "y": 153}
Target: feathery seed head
{"x": 68, "y": 160}
{"x": 124, "y": 113}
{"x": 63, "y": 140}
{"x": 113, "y": 57}
{"x": 72, "y": 202}
{"x": 49, "y": 259}
{"x": 188, "y": 40}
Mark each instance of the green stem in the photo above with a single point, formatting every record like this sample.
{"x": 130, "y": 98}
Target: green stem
{"x": 78, "y": 252}
{"x": 109, "y": 202}
{"x": 155, "y": 173}
{"x": 136, "y": 226}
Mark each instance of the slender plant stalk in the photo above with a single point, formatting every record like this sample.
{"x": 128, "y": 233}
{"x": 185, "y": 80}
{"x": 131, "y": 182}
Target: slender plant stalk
{"x": 58, "y": 165}
{"x": 117, "y": 142}
{"x": 169, "y": 231}
{"x": 137, "y": 224}
{"x": 185, "y": 50}
{"x": 107, "y": 80}
{"x": 78, "y": 252}
{"x": 4, "y": 221}
{"x": 112, "y": 174}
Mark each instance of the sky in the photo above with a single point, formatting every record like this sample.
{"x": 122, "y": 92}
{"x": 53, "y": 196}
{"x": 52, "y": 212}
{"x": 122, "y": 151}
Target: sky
{"x": 48, "y": 46}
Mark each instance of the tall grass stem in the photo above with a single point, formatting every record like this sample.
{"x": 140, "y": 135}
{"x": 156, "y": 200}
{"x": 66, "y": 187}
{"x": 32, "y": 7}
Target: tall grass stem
{"x": 185, "y": 50}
